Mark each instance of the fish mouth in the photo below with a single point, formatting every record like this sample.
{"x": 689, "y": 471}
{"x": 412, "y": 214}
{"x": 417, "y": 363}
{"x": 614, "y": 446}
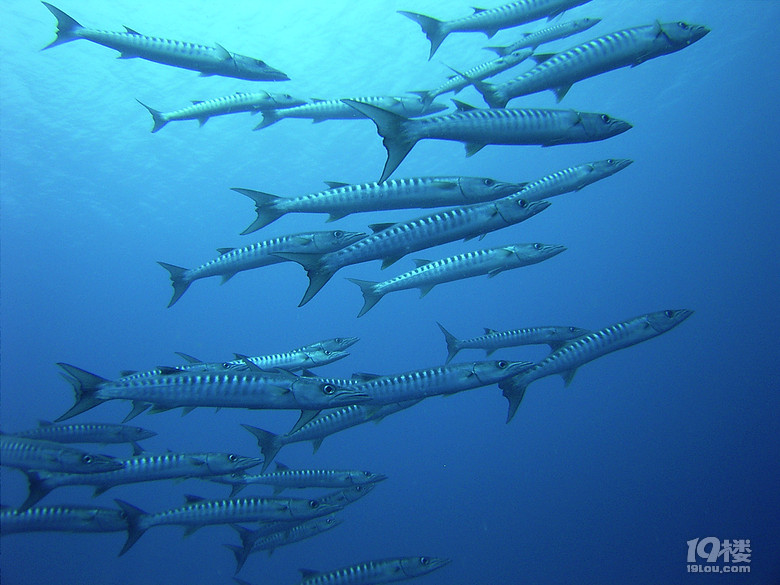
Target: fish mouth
{"x": 555, "y": 249}
{"x": 346, "y": 342}
{"x": 247, "y": 462}
{"x": 377, "y": 477}
{"x": 352, "y": 396}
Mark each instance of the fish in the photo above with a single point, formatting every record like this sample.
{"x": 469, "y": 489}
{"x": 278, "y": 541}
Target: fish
{"x": 140, "y": 468}
{"x": 252, "y": 389}
{"x": 625, "y": 48}
{"x": 207, "y": 60}
{"x": 322, "y": 426}
{"x": 333, "y": 344}
{"x": 477, "y": 128}
{"x": 283, "y": 537}
{"x": 284, "y": 478}
{"x": 566, "y": 359}
{"x": 548, "y": 34}
{"x": 555, "y": 336}
{"x": 62, "y": 519}
{"x": 26, "y": 454}
{"x": 390, "y": 242}
{"x": 490, "y": 261}
{"x": 318, "y": 110}
{"x": 234, "y": 260}
{"x": 199, "y": 512}
{"x": 573, "y": 178}
{"x": 343, "y": 199}
{"x": 202, "y": 110}
{"x": 459, "y": 81}
{"x": 86, "y": 433}
{"x": 491, "y": 20}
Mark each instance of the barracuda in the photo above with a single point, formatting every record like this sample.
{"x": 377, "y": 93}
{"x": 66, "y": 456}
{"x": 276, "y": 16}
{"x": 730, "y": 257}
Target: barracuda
{"x": 566, "y": 359}
{"x": 548, "y": 34}
{"x": 343, "y": 199}
{"x": 199, "y": 512}
{"x": 86, "y": 433}
{"x": 25, "y": 454}
{"x": 573, "y": 178}
{"x": 479, "y": 127}
{"x": 253, "y": 389}
{"x": 373, "y": 572}
{"x": 332, "y": 344}
{"x": 390, "y": 242}
{"x": 625, "y": 48}
{"x": 214, "y": 60}
{"x": 492, "y": 20}
{"x": 140, "y": 468}
{"x": 234, "y": 260}
{"x": 322, "y": 110}
{"x": 490, "y": 261}
{"x": 284, "y": 478}
{"x": 554, "y": 336}
{"x": 62, "y": 519}
{"x": 202, "y": 110}
{"x": 324, "y": 425}
{"x": 483, "y": 71}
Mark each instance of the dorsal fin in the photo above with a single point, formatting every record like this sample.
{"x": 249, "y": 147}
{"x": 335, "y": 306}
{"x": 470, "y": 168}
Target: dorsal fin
{"x": 281, "y": 467}
{"x": 463, "y": 106}
{"x": 253, "y": 367}
{"x": 168, "y": 370}
{"x": 477, "y": 9}
{"x": 188, "y": 358}
{"x": 364, "y": 376}
{"x": 489, "y": 331}
{"x": 308, "y": 573}
{"x": 191, "y": 499}
{"x": 542, "y": 57}
{"x": 378, "y": 227}
{"x": 224, "y": 250}
{"x": 131, "y": 31}
{"x": 222, "y": 52}
{"x": 336, "y": 184}
{"x": 421, "y": 262}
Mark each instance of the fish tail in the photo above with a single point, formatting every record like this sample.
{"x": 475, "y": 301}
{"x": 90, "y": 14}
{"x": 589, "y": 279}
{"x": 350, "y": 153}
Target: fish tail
{"x": 489, "y": 92}
{"x": 135, "y": 530}
{"x": 433, "y": 29}
{"x": 390, "y": 127}
{"x": 240, "y": 553}
{"x": 513, "y": 390}
{"x": 159, "y": 118}
{"x": 318, "y": 275}
{"x": 67, "y": 27}
{"x": 370, "y": 296}
{"x": 500, "y": 51}
{"x": 85, "y": 385}
{"x": 269, "y": 117}
{"x": 268, "y": 442}
{"x": 452, "y": 343}
{"x": 178, "y": 280}
{"x": 265, "y": 206}
{"x": 426, "y": 95}
{"x": 36, "y": 487}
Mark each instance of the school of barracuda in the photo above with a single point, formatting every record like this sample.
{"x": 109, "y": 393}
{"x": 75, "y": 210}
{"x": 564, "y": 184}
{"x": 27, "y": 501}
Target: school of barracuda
{"x": 473, "y": 206}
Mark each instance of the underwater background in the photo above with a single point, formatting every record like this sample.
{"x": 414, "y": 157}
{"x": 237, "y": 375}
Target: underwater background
{"x": 603, "y": 481}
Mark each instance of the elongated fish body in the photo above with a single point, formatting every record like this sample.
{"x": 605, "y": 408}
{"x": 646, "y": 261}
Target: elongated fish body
{"x": 492, "y": 20}
{"x": 373, "y": 572}
{"x": 233, "y": 260}
{"x": 62, "y": 519}
{"x": 322, "y": 426}
{"x": 480, "y": 127}
{"x": 214, "y": 60}
{"x": 554, "y": 336}
{"x": 140, "y": 468}
{"x": 396, "y": 240}
{"x": 333, "y": 344}
{"x": 322, "y": 110}
{"x": 490, "y": 261}
{"x": 483, "y": 71}
{"x": 252, "y": 389}
{"x": 343, "y": 199}
{"x": 86, "y": 433}
{"x": 548, "y": 34}
{"x": 625, "y": 48}
{"x": 199, "y": 512}
{"x": 566, "y": 359}
{"x": 572, "y": 178}
{"x": 202, "y": 110}
{"x": 284, "y": 478}
{"x": 51, "y": 456}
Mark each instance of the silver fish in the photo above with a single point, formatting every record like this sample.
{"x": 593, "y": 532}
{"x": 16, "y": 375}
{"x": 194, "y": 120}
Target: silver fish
{"x": 625, "y": 48}
{"x": 548, "y": 34}
{"x": 332, "y": 344}
{"x": 566, "y": 359}
{"x": 50, "y": 456}
{"x": 343, "y": 199}
{"x": 86, "y": 433}
{"x": 214, "y": 60}
{"x": 490, "y": 261}
{"x": 373, "y": 572}
{"x": 490, "y": 21}
{"x": 62, "y": 519}
{"x": 572, "y": 178}
{"x": 479, "y": 127}
{"x": 234, "y": 260}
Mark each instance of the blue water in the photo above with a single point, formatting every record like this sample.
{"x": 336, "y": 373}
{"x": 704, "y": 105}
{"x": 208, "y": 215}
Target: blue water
{"x": 605, "y": 481}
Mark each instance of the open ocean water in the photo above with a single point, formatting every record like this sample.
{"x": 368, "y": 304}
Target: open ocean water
{"x": 604, "y": 481}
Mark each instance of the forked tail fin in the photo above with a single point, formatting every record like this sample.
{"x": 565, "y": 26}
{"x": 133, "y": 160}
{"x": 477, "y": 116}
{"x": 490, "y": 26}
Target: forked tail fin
{"x": 134, "y": 516}
{"x": 370, "y": 296}
{"x": 268, "y": 442}
{"x": 318, "y": 276}
{"x": 67, "y": 27}
{"x": 433, "y": 29}
{"x": 158, "y": 117}
{"x": 265, "y": 206}
{"x": 178, "y": 280}
{"x": 452, "y": 343}
{"x": 85, "y": 385}
{"x": 513, "y": 390}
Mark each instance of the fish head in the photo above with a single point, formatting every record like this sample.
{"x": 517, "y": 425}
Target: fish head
{"x": 492, "y": 371}
{"x": 584, "y": 24}
{"x": 681, "y": 34}
{"x": 478, "y": 189}
{"x": 412, "y": 107}
{"x": 516, "y": 57}
{"x": 662, "y": 321}
{"x": 91, "y": 463}
{"x": 324, "y": 523}
{"x": 366, "y": 477}
{"x": 256, "y": 69}
{"x": 285, "y": 100}
{"x": 333, "y": 344}
{"x": 530, "y": 253}
{"x": 321, "y": 357}
{"x": 318, "y": 393}
{"x": 330, "y": 241}
{"x": 303, "y": 508}
{"x": 610, "y": 166}
{"x": 564, "y": 333}
{"x": 602, "y": 126}
{"x": 348, "y": 495}
{"x": 137, "y": 433}
{"x": 229, "y": 463}
{"x": 416, "y": 566}
{"x": 515, "y": 209}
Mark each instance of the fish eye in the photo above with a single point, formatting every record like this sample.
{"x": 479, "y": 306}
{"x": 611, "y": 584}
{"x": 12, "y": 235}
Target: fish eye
{"x": 328, "y": 388}
{"x": 367, "y": 473}
{"x": 424, "y": 561}
{"x": 330, "y": 520}
{"x": 682, "y": 25}
{"x": 610, "y": 161}
{"x": 605, "y": 118}
{"x": 572, "y": 329}
{"x": 233, "y": 458}
{"x": 502, "y": 364}
{"x": 522, "y": 203}
{"x": 338, "y": 234}
{"x": 259, "y": 62}
{"x": 358, "y": 488}
{"x": 288, "y": 96}
{"x": 538, "y": 246}
{"x": 669, "y": 314}
{"x": 489, "y": 182}
{"x": 87, "y": 459}
{"x": 226, "y": 365}
{"x": 314, "y": 504}
{"x": 338, "y": 340}
{"x": 327, "y": 352}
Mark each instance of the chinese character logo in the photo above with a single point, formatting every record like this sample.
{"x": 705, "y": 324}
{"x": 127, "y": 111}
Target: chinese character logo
{"x": 713, "y": 551}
